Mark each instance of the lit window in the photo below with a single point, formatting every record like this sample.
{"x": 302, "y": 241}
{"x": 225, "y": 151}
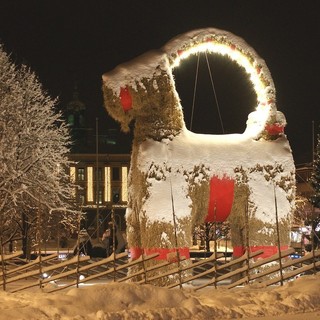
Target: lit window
{"x": 73, "y": 178}
{"x": 72, "y": 174}
{"x": 90, "y": 184}
{"x": 124, "y": 179}
{"x": 107, "y": 184}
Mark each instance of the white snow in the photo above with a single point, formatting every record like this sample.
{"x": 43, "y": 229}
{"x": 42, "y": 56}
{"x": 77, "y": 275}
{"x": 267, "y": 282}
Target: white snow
{"x": 220, "y": 154}
{"x": 299, "y": 299}
{"x": 141, "y": 67}
{"x": 168, "y": 163}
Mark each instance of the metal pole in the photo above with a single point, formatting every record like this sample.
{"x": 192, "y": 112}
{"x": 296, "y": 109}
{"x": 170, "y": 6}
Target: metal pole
{"x": 39, "y": 240}
{"x": 215, "y": 245}
{"x": 78, "y": 250}
{"x": 278, "y": 235}
{"x": 113, "y": 243}
{"x": 247, "y": 231}
{"x": 312, "y": 141}
{"x": 3, "y": 265}
{"x": 312, "y": 241}
{"x": 97, "y": 176}
{"x": 175, "y": 236}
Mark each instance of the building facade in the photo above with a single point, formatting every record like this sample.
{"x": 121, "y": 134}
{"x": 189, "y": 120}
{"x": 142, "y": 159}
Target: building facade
{"x": 102, "y": 188}
{"x": 101, "y": 157}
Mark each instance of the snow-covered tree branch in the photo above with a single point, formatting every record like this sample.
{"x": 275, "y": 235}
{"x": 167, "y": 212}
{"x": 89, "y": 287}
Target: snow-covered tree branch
{"x": 34, "y": 147}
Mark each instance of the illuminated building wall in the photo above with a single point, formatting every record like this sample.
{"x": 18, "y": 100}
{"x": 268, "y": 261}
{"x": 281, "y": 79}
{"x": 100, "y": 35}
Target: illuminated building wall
{"x": 113, "y": 178}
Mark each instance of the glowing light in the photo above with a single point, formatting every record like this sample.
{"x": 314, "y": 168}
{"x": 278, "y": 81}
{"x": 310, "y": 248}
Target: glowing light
{"x": 72, "y": 174}
{"x": 124, "y": 189}
{"x": 251, "y": 66}
{"x": 90, "y": 184}
{"x": 73, "y": 179}
{"x": 107, "y": 184}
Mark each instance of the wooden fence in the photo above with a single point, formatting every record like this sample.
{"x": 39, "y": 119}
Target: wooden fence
{"x": 17, "y": 274}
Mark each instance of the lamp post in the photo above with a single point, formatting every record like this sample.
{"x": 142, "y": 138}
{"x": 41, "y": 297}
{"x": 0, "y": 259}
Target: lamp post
{"x": 97, "y": 176}
{"x": 312, "y": 141}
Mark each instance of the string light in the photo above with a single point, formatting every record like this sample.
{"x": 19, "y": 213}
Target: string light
{"x": 244, "y": 59}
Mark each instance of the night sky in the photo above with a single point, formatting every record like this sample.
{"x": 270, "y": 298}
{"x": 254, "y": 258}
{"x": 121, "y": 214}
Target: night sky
{"x": 67, "y": 42}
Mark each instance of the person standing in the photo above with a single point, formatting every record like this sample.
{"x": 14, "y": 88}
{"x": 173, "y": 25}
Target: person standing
{"x": 107, "y": 242}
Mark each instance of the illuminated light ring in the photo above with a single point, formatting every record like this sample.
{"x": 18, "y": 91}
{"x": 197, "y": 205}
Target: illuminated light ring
{"x": 224, "y": 43}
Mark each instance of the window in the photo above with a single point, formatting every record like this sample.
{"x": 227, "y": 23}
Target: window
{"x": 107, "y": 184}
{"x": 90, "y": 184}
{"x": 72, "y": 174}
{"x": 80, "y": 174}
{"x": 124, "y": 189}
{"x": 115, "y": 195}
{"x": 71, "y": 119}
{"x": 115, "y": 173}
{"x": 73, "y": 179}
{"x": 99, "y": 176}
{"x": 100, "y": 196}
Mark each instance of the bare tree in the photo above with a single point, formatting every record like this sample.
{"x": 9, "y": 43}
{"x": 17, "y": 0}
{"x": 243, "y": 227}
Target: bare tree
{"x": 34, "y": 147}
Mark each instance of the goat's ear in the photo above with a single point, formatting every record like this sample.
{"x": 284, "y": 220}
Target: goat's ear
{"x": 119, "y": 106}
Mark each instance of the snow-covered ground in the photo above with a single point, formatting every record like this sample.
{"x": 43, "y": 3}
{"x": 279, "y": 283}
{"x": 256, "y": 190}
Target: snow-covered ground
{"x": 298, "y": 299}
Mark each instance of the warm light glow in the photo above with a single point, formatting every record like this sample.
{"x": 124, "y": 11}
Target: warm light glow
{"x": 251, "y": 66}
{"x": 73, "y": 179}
{"x": 90, "y": 184}
{"x": 124, "y": 189}
{"x": 72, "y": 174}
{"x": 107, "y": 184}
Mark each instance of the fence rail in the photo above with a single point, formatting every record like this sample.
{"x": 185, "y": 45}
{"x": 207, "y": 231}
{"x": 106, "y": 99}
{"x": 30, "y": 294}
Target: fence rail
{"x": 212, "y": 270}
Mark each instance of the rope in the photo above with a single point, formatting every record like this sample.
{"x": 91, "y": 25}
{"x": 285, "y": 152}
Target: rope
{"x": 215, "y": 94}
{"x": 213, "y": 88}
{"x": 194, "y": 91}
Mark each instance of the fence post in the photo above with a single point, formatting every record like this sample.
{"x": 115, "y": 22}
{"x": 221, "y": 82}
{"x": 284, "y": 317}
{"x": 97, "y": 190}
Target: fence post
{"x": 175, "y": 236}
{"x": 78, "y": 250}
{"x": 215, "y": 244}
{"x": 113, "y": 242}
{"x": 313, "y": 242}
{"x": 3, "y": 265}
{"x": 247, "y": 239}
{"x": 142, "y": 254}
{"x": 278, "y": 235}
{"x": 38, "y": 238}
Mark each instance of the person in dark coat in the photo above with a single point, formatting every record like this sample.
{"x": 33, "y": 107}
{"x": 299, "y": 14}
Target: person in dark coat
{"x": 107, "y": 242}
{"x": 85, "y": 245}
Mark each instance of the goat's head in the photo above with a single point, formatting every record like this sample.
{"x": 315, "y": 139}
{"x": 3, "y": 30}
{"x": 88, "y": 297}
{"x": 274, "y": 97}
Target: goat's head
{"x": 144, "y": 89}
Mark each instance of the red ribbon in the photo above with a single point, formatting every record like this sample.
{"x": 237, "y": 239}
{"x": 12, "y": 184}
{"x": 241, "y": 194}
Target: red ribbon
{"x": 164, "y": 253}
{"x": 220, "y": 200}
{"x": 274, "y": 129}
{"x": 268, "y": 251}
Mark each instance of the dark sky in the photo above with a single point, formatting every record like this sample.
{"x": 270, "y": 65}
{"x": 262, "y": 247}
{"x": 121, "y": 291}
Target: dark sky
{"x": 67, "y": 41}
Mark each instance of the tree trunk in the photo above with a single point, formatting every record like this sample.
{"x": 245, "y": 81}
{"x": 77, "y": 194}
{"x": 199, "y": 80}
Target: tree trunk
{"x": 26, "y": 248}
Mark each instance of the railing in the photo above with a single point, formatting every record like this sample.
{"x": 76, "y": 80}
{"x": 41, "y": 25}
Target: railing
{"x": 17, "y": 274}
